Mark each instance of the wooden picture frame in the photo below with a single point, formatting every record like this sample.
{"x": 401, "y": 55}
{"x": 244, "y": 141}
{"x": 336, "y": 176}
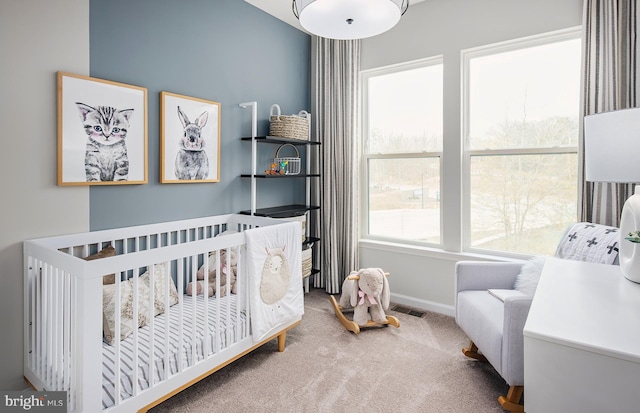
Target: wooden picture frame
{"x": 102, "y": 132}
{"x": 190, "y": 139}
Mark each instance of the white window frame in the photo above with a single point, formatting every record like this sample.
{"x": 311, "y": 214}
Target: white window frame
{"x": 466, "y": 56}
{"x": 366, "y": 157}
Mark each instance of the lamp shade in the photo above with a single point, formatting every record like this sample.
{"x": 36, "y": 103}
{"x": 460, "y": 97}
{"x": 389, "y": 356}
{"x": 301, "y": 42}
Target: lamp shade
{"x": 349, "y": 19}
{"x": 612, "y": 146}
{"x": 611, "y": 152}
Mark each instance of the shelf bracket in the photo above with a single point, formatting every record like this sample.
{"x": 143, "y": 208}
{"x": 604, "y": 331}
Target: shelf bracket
{"x": 254, "y": 150}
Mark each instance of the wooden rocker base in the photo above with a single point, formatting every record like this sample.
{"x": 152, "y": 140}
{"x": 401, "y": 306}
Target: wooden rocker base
{"x": 472, "y": 352}
{"x": 353, "y": 326}
{"x": 512, "y": 401}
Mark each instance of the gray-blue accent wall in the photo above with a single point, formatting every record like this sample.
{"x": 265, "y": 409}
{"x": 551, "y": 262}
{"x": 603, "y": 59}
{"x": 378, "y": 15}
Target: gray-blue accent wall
{"x": 226, "y": 51}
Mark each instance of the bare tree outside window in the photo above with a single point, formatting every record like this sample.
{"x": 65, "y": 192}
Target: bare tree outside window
{"x": 522, "y": 144}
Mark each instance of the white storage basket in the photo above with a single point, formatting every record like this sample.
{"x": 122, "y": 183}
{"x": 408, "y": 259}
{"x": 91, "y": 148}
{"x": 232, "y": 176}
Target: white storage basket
{"x": 307, "y": 262}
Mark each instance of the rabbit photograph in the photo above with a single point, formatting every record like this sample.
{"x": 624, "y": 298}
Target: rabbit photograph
{"x": 192, "y": 161}
{"x": 190, "y": 139}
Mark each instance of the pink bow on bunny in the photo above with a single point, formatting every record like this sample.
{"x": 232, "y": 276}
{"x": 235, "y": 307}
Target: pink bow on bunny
{"x": 364, "y": 295}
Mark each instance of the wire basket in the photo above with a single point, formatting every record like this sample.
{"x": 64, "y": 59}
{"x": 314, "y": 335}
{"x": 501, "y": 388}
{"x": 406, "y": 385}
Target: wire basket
{"x": 287, "y": 165}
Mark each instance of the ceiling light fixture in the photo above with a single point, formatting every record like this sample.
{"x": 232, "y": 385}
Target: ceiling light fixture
{"x": 348, "y": 19}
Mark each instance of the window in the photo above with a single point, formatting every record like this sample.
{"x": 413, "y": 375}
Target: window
{"x": 403, "y": 124}
{"x": 521, "y": 117}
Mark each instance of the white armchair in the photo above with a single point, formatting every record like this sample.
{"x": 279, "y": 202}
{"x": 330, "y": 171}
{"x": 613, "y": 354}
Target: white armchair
{"x": 495, "y": 327}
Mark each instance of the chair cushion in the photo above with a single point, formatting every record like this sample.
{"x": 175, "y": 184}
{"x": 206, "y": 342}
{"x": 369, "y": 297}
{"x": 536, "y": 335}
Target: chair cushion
{"x": 480, "y": 315}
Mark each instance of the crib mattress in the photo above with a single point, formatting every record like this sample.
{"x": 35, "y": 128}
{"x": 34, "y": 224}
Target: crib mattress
{"x": 219, "y": 337}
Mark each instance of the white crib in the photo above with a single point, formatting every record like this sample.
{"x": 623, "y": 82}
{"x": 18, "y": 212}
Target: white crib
{"x": 65, "y": 348}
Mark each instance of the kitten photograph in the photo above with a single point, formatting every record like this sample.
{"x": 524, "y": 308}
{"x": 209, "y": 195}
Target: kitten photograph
{"x": 106, "y": 156}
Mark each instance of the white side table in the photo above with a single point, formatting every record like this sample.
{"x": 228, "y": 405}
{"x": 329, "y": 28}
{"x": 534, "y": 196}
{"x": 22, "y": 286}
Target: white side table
{"x": 582, "y": 340}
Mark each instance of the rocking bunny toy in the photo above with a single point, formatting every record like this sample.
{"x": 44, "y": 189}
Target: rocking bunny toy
{"x": 366, "y": 292}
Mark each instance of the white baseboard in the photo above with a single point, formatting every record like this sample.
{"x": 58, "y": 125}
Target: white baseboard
{"x": 423, "y": 304}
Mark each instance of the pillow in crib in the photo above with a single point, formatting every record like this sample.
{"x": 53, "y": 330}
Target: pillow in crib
{"x": 159, "y": 286}
{"x": 126, "y": 302}
{"x": 126, "y": 309}
{"x": 104, "y": 253}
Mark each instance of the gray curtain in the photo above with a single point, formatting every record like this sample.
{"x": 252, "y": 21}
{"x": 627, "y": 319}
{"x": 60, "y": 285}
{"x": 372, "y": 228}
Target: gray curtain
{"x": 610, "y": 74}
{"x": 335, "y": 108}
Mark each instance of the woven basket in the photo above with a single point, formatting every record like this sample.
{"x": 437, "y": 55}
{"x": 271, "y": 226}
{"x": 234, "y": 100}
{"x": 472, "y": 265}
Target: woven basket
{"x": 307, "y": 262}
{"x": 289, "y": 164}
{"x": 285, "y": 126}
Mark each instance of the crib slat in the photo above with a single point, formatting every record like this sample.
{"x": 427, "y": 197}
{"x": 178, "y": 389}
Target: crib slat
{"x": 117, "y": 335}
{"x": 181, "y": 282}
{"x": 167, "y": 275}
{"x": 216, "y": 337}
{"x": 236, "y": 323}
{"x": 37, "y": 356}
{"x": 135, "y": 387}
{"x": 45, "y": 330}
{"x": 67, "y": 330}
{"x": 75, "y": 368}
{"x": 136, "y": 304}
{"x": 194, "y": 280}
{"x": 89, "y": 380}
{"x": 152, "y": 333}
{"x": 55, "y": 327}
{"x": 205, "y": 296}
{"x": 247, "y": 307}
{"x": 228, "y": 322}
{"x": 33, "y": 281}
{"x": 50, "y": 325}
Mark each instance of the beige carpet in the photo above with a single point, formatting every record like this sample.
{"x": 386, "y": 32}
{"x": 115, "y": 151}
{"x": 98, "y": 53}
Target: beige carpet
{"x": 416, "y": 368}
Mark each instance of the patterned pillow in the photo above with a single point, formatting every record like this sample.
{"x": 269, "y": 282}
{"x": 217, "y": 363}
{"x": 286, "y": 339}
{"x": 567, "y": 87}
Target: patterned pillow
{"x": 126, "y": 309}
{"x": 589, "y": 242}
{"x": 104, "y": 253}
{"x": 159, "y": 286}
{"x": 126, "y": 302}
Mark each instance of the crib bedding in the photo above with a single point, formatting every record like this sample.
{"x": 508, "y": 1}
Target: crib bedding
{"x": 219, "y": 337}
{"x": 275, "y": 277}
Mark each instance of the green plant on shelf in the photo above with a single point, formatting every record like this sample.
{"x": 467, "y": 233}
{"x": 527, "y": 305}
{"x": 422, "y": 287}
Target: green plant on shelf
{"x": 633, "y": 237}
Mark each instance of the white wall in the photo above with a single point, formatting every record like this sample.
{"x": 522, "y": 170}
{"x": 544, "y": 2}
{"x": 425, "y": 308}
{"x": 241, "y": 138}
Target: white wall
{"x": 420, "y": 277}
{"x": 37, "y": 38}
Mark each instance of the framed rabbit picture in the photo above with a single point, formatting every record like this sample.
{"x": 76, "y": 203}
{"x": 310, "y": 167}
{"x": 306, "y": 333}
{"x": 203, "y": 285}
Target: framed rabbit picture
{"x": 190, "y": 139}
{"x": 102, "y": 132}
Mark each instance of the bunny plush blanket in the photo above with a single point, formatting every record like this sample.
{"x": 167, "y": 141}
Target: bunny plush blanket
{"x": 274, "y": 264}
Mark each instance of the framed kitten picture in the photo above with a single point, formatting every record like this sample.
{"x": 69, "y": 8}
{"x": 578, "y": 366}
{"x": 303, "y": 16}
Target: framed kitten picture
{"x": 190, "y": 139}
{"x": 102, "y": 132}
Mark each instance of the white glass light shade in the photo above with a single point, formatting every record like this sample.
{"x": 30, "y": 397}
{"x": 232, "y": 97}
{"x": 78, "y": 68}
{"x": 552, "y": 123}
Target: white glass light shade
{"x": 348, "y": 19}
{"x": 612, "y": 146}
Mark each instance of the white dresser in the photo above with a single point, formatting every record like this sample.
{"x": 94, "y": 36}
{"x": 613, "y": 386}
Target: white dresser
{"x": 582, "y": 341}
